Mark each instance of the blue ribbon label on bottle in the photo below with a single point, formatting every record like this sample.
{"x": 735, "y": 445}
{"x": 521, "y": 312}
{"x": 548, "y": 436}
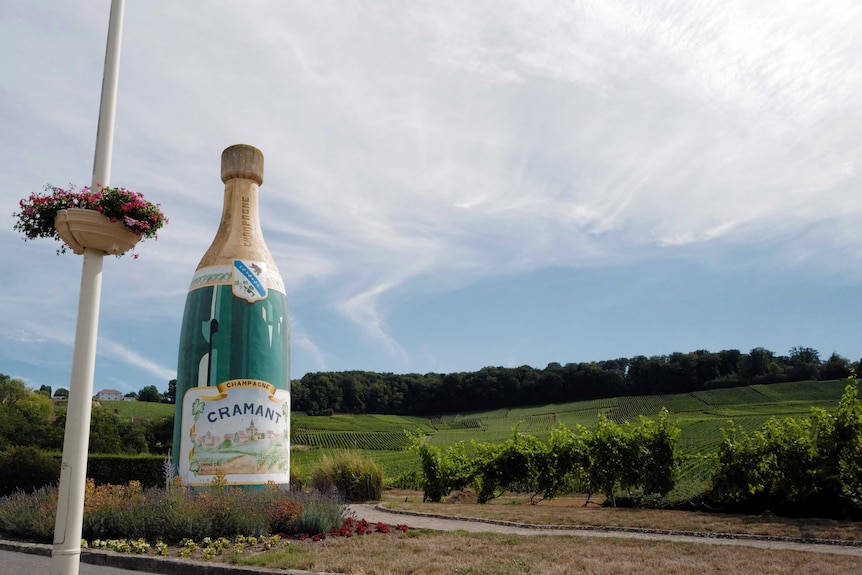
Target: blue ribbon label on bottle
{"x": 246, "y": 280}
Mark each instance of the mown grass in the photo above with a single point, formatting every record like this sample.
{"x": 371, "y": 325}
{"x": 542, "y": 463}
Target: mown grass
{"x": 139, "y": 409}
{"x": 438, "y": 553}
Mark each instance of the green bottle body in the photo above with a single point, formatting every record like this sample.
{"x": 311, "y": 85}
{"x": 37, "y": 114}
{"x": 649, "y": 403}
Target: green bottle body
{"x": 232, "y": 417}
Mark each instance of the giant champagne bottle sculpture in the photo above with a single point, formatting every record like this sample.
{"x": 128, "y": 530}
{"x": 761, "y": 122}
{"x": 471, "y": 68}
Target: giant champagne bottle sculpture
{"x": 233, "y": 386}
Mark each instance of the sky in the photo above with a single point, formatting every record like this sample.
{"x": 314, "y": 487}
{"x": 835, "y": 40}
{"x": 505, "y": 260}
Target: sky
{"x": 451, "y": 185}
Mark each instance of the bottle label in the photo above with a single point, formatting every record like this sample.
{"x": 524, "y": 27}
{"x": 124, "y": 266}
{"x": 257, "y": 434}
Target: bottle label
{"x": 239, "y": 429}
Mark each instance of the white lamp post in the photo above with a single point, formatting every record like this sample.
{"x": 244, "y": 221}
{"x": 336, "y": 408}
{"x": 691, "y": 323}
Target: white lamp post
{"x": 66, "y": 555}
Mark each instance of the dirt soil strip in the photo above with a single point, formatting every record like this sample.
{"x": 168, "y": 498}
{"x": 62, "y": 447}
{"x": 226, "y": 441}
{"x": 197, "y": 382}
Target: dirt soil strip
{"x": 377, "y": 513}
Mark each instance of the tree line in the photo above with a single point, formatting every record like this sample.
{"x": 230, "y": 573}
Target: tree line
{"x": 322, "y": 393}
{"x": 31, "y": 419}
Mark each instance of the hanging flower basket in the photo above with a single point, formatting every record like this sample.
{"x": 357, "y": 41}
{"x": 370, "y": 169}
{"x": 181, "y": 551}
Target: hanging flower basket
{"x": 112, "y": 220}
{"x": 80, "y": 228}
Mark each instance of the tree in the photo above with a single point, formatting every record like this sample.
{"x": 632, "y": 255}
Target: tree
{"x": 836, "y": 367}
{"x": 25, "y": 415}
{"x": 804, "y": 363}
{"x": 12, "y": 390}
{"x": 150, "y": 393}
{"x": 104, "y": 431}
{"x": 133, "y": 436}
{"x": 707, "y": 366}
{"x": 61, "y": 393}
{"x": 729, "y": 360}
{"x": 45, "y": 390}
{"x": 170, "y": 394}
{"x": 756, "y": 365}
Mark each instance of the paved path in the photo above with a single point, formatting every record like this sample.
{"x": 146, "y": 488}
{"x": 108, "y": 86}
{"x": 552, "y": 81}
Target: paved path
{"x": 35, "y": 559}
{"x": 12, "y": 563}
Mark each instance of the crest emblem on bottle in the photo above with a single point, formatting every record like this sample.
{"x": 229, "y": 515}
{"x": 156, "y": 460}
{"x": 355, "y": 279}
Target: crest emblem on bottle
{"x": 247, "y": 282}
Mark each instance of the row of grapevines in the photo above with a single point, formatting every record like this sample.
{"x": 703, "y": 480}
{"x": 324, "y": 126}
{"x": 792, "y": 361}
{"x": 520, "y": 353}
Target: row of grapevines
{"x": 629, "y": 408}
{"x": 375, "y": 441}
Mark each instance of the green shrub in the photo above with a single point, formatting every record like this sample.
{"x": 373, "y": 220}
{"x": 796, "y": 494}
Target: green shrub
{"x": 298, "y": 480}
{"x": 444, "y": 471}
{"x": 355, "y": 477}
{"x": 116, "y": 469}
{"x": 27, "y": 469}
{"x": 797, "y": 466}
{"x": 412, "y": 479}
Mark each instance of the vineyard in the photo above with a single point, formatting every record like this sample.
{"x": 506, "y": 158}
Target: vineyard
{"x": 700, "y": 416}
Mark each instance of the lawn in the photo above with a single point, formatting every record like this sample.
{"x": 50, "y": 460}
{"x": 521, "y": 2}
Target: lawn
{"x": 140, "y": 409}
{"x": 438, "y": 553}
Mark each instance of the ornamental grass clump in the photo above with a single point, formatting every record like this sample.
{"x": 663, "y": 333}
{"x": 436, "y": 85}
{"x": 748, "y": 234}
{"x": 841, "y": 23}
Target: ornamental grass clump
{"x": 38, "y": 211}
{"x": 355, "y": 477}
{"x": 321, "y": 511}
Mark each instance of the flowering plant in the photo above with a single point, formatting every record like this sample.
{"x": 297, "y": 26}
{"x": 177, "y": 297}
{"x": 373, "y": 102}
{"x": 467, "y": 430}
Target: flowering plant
{"x": 36, "y": 218}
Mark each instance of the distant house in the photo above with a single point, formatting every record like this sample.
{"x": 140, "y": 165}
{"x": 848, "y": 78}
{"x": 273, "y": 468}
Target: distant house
{"x": 109, "y": 395}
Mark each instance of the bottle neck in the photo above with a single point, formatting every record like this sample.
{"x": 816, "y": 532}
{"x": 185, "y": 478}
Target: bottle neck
{"x": 239, "y": 235}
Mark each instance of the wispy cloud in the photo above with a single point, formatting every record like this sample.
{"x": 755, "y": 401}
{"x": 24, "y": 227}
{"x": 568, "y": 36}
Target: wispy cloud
{"x": 302, "y": 340}
{"x": 428, "y": 146}
{"x": 128, "y": 356}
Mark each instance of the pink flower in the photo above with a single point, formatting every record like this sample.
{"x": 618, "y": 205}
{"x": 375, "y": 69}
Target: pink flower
{"x": 37, "y": 212}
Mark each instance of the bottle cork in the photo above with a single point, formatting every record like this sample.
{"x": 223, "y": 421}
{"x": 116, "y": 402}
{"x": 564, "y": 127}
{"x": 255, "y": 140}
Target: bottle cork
{"x": 242, "y": 161}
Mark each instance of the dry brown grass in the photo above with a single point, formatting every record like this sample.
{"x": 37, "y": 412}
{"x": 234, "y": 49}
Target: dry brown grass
{"x": 434, "y": 553}
{"x": 570, "y": 511}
